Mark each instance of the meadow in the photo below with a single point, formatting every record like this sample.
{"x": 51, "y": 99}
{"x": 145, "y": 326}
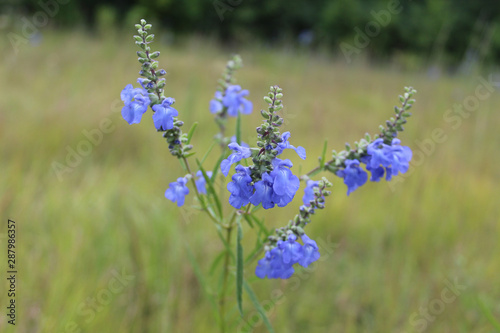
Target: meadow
{"x": 100, "y": 249}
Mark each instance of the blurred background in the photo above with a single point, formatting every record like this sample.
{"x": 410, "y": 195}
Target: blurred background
{"x": 100, "y": 249}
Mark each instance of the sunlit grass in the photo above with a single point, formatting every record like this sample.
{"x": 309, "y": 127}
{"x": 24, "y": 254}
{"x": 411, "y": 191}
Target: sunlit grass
{"x": 394, "y": 246}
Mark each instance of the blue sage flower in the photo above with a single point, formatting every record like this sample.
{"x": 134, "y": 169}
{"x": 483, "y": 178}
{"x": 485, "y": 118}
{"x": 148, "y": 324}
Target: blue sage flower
{"x": 394, "y": 158}
{"x": 278, "y": 262}
{"x": 201, "y": 183}
{"x": 379, "y": 154}
{"x": 354, "y": 176}
{"x": 310, "y": 251}
{"x": 292, "y": 250}
{"x": 400, "y": 157}
{"x": 136, "y": 102}
{"x": 163, "y": 117}
{"x": 273, "y": 267}
{"x": 286, "y": 145}
{"x": 240, "y": 153}
{"x": 177, "y": 191}
{"x": 263, "y": 192}
{"x": 235, "y": 102}
{"x": 309, "y": 192}
{"x": 285, "y": 183}
{"x": 240, "y": 187}
{"x": 216, "y": 103}
{"x": 277, "y": 187}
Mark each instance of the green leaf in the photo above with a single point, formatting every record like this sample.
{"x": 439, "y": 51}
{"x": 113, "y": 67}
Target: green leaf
{"x": 189, "y": 154}
{"x": 258, "y": 307}
{"x": 323, "y": 156}
{"x": 239, "y": 266}
{"x": 211, "y": 190}
{"x": 191, "y": 132}
{"x": 238, "y": 129}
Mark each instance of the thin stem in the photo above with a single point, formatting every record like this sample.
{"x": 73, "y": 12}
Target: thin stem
{"x": 225, "y": 277}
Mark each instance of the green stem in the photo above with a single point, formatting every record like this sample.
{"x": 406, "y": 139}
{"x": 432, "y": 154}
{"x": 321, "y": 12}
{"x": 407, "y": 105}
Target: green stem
{"x": 222, "y": 300}
{"x": 200, "y": 199}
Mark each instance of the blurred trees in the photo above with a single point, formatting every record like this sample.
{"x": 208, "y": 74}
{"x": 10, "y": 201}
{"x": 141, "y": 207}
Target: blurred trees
{"x": 444, "y": 30}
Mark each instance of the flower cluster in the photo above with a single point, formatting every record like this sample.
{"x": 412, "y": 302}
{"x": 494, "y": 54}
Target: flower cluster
{"x": 151, "y": 93}
{"x": 269, "y": 181}
{"x": 379, "y": 159}
{"x": 283, "y": 251}
{"x": 278, "y": 262}
{"x": 232, "y": 100}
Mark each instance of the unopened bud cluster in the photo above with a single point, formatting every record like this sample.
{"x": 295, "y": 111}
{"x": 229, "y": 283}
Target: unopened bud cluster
{"x": 268, "y": 134}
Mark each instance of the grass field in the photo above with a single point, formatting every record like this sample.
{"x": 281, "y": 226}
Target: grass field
{"x": 99, "y": 248}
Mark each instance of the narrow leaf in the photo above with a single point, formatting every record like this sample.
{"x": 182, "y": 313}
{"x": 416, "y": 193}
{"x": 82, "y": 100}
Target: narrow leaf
{"x": 191, "y": 132}
{"x": 211, "y": 190}
{"x": 258, "y": 307}
{"x": 239, "y": 266}
{"x": 238, "y": 129}
{"x": 323, "y": 156}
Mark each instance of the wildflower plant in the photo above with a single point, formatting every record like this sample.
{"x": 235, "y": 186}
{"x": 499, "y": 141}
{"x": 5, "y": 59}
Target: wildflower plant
{"x": 256, "y": 175}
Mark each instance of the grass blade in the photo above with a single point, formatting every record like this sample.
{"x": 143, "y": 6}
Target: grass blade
{"x": 191, "y": 132}
{"x": 258, "y": 307}
{"x": 239, "y": 267}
